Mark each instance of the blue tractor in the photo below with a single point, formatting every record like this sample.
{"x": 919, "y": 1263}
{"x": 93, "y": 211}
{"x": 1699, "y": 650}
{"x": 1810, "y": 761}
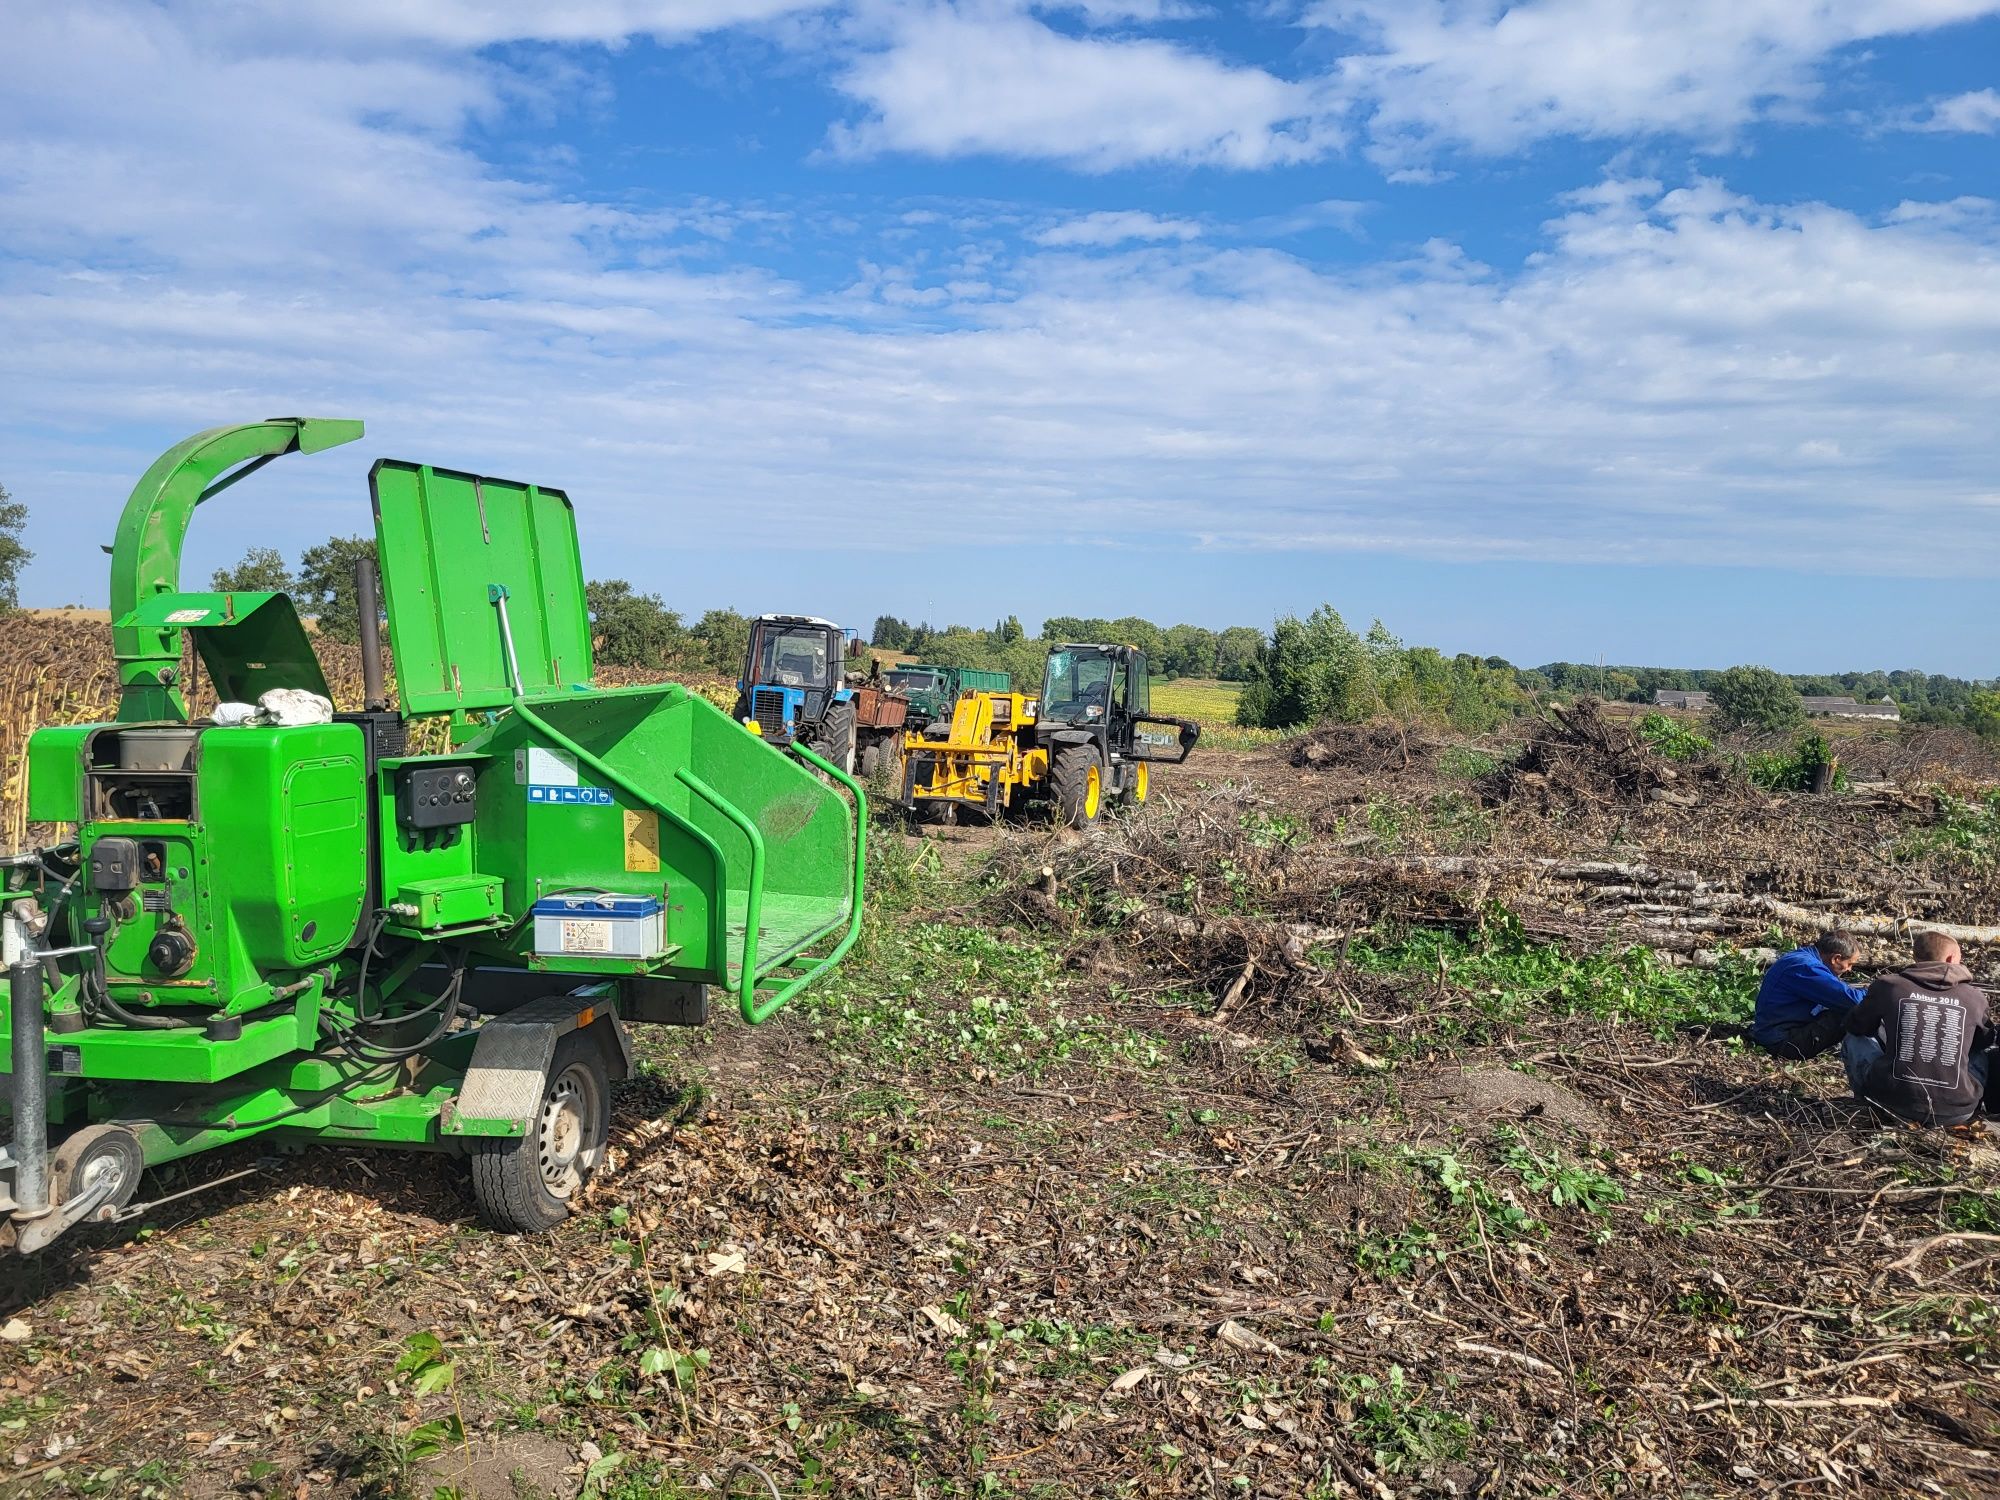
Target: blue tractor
{"x": 793, "y": 686}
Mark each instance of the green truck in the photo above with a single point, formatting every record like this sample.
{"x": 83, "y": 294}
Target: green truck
{"x": 933, "y": 690}
{"x": 281, "y": 922}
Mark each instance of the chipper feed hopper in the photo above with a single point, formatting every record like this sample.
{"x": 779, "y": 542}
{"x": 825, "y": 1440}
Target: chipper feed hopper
{"x": 301, "y": 931}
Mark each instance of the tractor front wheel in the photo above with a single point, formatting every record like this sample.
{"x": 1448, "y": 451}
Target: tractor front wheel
{"x": 834, "y": 738}
{"x": 1076, "y": 778}
{"x": 528, "y": 1184}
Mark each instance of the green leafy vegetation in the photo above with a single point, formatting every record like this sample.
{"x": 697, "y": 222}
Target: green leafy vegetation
{"x": 262, "y": 570}
{"x": 1318, "y": 669}
{"x": 14, "y": 554}
{"x": 1674, "y": 738}
{"x": 1966, "y": 830}
{"x": 1756, "y": 698}
{"x": 1512, "y": 978}
{"x": 1798, "y": 769}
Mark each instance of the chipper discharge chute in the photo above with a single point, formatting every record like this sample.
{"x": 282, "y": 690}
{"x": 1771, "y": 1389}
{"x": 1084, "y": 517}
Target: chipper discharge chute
{"x": 290, "y": 927}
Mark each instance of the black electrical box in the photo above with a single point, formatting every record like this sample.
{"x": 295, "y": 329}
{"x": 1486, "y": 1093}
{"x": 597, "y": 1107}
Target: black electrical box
{"x": 114, "y": 866}
{"x": 436, "y": 796}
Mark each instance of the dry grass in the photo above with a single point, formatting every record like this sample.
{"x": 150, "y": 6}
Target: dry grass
{"x": 56, "y": 668}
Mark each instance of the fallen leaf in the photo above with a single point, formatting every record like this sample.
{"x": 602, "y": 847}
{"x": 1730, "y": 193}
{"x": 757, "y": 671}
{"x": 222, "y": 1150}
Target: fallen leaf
{"x": 1237, "y": 1336}
{"x": 15, "y": 1331}
{"x": 1131, "y": 1377}
{"x": 944, "y": 1320}
{"x": 726, "y": 1263}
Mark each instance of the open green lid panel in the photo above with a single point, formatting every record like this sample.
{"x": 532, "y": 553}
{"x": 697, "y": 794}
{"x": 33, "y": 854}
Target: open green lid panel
{"x": 444, "y": 540}
{"x": 249, "y": 642}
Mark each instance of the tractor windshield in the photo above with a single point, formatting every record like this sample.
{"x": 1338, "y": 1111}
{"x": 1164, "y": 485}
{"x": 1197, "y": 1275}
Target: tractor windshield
{"x": 1077, "y": 686}
{"x": 794, "y": 656}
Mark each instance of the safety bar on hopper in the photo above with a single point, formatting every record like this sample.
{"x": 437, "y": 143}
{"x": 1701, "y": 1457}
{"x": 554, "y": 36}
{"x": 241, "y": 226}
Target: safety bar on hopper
{"x": 746, "y": 987}
{"x": 752, "y": 1011}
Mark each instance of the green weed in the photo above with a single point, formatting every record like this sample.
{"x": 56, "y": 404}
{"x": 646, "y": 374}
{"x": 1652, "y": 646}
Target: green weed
{"x": 1511, "y": 978}
{"x": 1674, "y": 739}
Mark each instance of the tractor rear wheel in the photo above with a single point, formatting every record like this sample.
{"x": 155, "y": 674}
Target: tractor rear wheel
{"x": 1076, "y": 780}
{"x": 528, "y": 1184}
{"x": 834, "y": 738}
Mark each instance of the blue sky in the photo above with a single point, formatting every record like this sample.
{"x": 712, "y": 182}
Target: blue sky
{"x": 1572, "y": 328}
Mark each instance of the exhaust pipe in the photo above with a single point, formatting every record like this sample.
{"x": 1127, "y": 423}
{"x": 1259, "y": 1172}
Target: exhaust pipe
{"x": 368, "y": 597}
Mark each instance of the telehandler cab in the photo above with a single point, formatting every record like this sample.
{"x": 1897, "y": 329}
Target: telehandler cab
{"x": 298, "y": 930}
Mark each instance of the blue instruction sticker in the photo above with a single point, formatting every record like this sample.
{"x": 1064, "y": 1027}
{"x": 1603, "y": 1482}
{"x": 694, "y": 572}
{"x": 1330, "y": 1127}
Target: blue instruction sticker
{"x": 573, "y": 796}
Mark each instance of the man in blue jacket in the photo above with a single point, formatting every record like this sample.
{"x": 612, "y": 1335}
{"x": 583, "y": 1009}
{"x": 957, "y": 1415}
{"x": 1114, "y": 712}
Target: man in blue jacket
{"x": 1805, "y": 1000}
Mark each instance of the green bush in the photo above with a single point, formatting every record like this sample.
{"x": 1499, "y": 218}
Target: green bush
{"x": 1798, "y": 769}
{"x": 1756, "y": 698}
{"x": 1318, "y": 670}
{"x": 1673, "y": 739}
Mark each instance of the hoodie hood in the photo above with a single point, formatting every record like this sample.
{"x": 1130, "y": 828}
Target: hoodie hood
{"x": 1937, "y": 976}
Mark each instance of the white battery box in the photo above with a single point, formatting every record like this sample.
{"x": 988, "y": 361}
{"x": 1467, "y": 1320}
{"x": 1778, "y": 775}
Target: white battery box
{"x": 599, "y": 924}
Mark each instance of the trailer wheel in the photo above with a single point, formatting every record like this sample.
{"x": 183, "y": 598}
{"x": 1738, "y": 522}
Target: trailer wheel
{"x": 871, "y": 760}
{"x": 93, "y": 1154}
{"x": 1077, "y": 780}
{"x": 528, "y": 1184}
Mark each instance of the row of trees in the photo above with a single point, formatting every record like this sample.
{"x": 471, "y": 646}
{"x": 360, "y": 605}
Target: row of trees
{"x": 1923, "y": 697}
{"x": 1304, "y": 671}
{"x": 1172, "y": 650}
{"x": 1318, "y": 669}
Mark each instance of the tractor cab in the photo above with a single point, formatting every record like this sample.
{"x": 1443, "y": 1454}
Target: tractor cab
{"x": 792, "y": 687}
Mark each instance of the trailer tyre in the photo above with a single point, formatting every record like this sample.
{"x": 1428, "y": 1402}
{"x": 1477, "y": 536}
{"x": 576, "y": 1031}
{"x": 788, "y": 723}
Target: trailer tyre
{"x": 528, "y": 1184}
{"x": 1076, "y": 777}
{"x": 92, "y": 1154}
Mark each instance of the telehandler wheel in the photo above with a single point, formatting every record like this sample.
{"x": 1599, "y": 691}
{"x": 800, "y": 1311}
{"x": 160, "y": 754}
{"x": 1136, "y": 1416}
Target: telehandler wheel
{"x": 93, "y": 1154}
{"x": 528, "y": 1184}
{"x": 1076, "y": 778}
{"x": 834, "y": 739}
{"x": 1135, "y": 785}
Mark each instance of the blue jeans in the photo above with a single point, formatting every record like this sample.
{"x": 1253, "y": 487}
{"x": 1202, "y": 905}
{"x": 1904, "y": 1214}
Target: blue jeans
{"x": 1861, "y": 1056}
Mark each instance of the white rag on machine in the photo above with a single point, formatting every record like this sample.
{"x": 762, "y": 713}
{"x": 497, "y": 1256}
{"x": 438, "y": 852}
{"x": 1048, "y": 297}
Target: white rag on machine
{"x": 279, "y": 706}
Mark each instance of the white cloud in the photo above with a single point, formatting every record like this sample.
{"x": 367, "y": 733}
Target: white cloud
{"x": 1115, "y": 227}
{"x": 985, "y": 78}
{"x": 194, "y": 234}
{"x": 483, "y": 23}
{"x": 1493, "y": 76}
{"x": 1976, "y": 113}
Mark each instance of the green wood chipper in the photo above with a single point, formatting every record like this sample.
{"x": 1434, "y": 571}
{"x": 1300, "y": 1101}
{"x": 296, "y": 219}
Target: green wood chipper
{"x": 285, "y": 925}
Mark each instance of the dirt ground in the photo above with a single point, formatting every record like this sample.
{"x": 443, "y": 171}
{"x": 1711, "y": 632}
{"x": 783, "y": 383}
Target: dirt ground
{"x": 1132, "y": 1163}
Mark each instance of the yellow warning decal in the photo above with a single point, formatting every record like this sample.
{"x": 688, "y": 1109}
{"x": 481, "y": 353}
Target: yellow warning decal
{"x": 642, "y": 840}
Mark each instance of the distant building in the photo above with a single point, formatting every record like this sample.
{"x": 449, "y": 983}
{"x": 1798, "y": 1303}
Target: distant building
{"x": 1847, "y": 708}
{"x": 1676, "y": 698}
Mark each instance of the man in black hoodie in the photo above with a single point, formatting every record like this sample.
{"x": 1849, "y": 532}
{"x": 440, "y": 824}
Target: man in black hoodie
{"x": 1917, "y": 1043}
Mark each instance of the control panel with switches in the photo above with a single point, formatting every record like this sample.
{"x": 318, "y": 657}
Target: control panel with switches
{"x": 436, "y": 796}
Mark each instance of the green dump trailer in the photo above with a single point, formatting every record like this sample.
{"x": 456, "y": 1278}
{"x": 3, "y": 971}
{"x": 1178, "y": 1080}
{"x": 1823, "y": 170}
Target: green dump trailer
{"x": 294, "y": 928}
{"x": 933, "y": 690}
